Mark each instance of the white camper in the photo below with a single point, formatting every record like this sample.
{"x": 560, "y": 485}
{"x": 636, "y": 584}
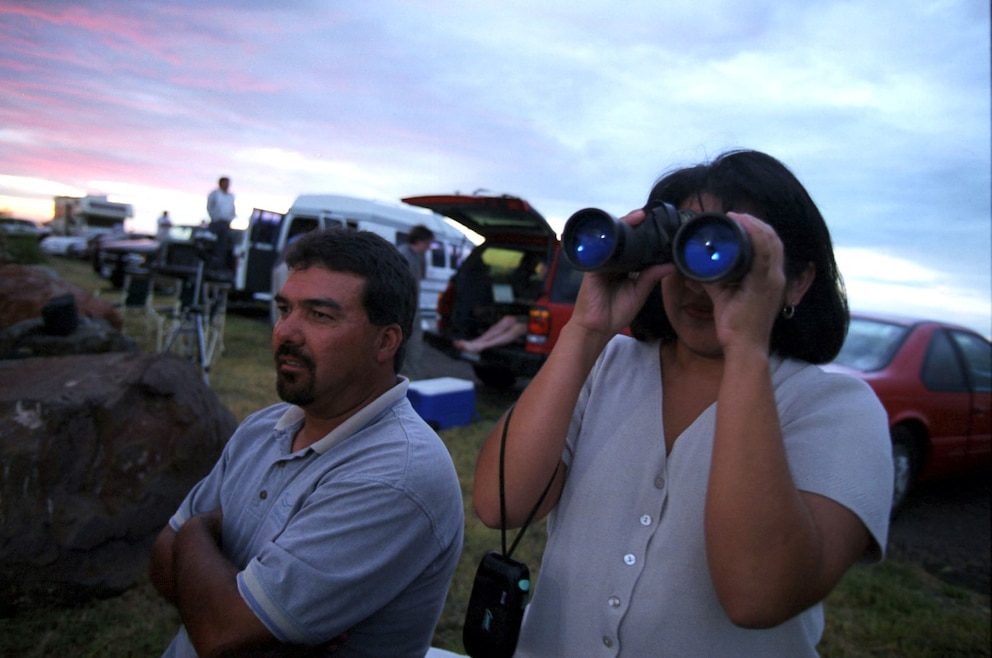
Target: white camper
{"x": 259, "y": 271}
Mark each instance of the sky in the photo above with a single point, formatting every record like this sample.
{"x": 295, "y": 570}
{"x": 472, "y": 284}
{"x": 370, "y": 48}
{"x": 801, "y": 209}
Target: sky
{"x": 882, "y": 109}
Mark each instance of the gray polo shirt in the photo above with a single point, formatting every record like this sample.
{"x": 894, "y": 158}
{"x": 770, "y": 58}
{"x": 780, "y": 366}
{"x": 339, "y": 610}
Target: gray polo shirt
{"x": 360, "y": 532}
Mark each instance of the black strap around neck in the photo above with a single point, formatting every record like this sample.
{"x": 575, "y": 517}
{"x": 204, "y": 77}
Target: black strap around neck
{"x": 502, "y": 493}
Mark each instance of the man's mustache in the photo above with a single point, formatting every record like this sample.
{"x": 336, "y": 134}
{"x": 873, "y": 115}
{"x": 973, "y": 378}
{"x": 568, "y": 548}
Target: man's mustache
{"x": 295, "y": 353}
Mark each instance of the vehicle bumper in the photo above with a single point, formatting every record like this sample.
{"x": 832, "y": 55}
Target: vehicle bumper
{"x": 513, "y": 359}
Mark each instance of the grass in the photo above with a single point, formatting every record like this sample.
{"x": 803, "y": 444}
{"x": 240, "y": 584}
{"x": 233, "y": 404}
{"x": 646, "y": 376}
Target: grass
{"x": 892, "y": 609}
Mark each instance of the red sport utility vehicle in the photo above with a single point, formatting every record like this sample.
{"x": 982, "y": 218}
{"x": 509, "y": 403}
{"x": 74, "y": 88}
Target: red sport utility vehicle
{"x": 499, "y": 279}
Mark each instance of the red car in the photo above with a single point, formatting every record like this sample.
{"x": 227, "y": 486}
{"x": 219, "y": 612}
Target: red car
{"x": 935, "y": 381}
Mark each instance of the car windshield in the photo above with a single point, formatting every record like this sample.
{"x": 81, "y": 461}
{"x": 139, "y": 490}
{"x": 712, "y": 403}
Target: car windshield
{"x": 870, "y": 344}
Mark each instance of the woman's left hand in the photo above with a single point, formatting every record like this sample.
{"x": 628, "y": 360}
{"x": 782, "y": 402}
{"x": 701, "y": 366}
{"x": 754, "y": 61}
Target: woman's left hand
{"x": 745, "y": 312}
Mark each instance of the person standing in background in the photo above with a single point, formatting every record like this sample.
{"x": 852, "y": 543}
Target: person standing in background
{"x": 220, "y": 208}
{"x": 415, "y": 250}
{"x": 164, "y": 224}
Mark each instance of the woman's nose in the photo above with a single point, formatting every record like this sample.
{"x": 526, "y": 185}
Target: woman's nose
{"x": 692, "y": 285}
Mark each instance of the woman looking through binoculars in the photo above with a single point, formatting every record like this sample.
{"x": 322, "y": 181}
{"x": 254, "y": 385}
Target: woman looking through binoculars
{"x": 712, "y": 480}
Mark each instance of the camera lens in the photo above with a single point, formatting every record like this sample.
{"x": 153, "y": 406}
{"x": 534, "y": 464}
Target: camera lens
{"x": 712, "y": 247}
{"x": 590, "y": 238}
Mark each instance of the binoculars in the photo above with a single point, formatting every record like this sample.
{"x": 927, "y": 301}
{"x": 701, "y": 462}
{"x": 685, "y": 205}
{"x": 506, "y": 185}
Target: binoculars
{"x": 706, "y": 247}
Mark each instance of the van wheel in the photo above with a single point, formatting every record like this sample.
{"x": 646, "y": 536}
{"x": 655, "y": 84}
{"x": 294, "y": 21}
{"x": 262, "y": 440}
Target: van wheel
{"x": 494, "y": 376}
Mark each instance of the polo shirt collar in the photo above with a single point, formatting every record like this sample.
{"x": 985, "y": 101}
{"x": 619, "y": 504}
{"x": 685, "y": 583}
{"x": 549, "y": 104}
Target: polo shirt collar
{"x": 363, "y": 417}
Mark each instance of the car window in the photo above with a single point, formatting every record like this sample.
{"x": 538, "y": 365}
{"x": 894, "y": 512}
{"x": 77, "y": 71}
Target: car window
{"x": 565, "y": 287}
{"x": 870, "y": 344}
{"x": 510, "y": 274}
{"x": 977, "y": 354}
{"x": 941, "y": 367}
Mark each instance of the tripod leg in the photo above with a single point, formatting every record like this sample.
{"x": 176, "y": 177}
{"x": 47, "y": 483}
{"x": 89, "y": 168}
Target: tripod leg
{"x": 202, "y": 360}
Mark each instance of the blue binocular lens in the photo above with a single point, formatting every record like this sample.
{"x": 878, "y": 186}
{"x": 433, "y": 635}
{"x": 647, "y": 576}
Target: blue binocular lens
{"x": 592, "y": 241}
{"x": 712, "y": 247}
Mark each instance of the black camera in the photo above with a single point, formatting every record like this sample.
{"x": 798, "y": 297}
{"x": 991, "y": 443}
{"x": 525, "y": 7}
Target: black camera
{"x": 706, "y": 247}
{"x": 496, "y": 607}
{"x": 203, "y": 240}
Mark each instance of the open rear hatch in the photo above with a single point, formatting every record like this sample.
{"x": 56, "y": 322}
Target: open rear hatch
{"x": 488, "y": 215}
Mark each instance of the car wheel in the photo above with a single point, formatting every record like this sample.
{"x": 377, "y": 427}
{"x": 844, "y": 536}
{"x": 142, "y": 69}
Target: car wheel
{"x": 494, "y": 376}
{"x": 905, "y": 465}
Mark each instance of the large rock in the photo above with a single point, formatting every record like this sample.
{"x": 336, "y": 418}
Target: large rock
{"x": 25, "y": 289}
{"x": 96, "y": 453}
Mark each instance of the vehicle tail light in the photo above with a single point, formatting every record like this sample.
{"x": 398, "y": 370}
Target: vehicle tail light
{"x": 538, "y": 326}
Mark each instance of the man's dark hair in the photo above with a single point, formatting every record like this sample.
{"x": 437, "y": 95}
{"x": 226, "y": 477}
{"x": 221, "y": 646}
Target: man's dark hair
{"x": 389, "y": 295}
{"x": 419, "y": 233}
{"x": 758, "y": 184}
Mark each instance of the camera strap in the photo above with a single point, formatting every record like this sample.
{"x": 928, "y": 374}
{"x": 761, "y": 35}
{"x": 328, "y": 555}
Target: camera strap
{"x": 502, "y": 492}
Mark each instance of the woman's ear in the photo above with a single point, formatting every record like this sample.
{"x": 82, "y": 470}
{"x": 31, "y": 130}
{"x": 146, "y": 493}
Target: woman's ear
{"x": 797, "y": 287}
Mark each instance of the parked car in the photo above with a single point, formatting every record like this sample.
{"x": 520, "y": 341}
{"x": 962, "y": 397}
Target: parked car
{"x": 25, "y": 228}
{"x": 482, "y": 290}
{"x": 935, "y": 381}
{"x": 72, "y": 246}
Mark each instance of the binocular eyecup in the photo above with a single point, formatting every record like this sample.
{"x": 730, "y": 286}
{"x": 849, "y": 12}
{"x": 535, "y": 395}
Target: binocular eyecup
{"x": 706, "y": 247}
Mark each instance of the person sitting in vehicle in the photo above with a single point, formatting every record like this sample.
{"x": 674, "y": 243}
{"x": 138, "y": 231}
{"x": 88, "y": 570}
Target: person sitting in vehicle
{"x": 474, "y": 287}
{"x": 527, "y": 280}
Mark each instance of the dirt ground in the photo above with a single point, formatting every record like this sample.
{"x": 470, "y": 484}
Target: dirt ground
{"x": 946, "y": 527}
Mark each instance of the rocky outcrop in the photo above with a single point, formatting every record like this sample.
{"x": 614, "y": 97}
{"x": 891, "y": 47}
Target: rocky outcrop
{"x": 25, "y": 289}
{"x": 96, "y": 452}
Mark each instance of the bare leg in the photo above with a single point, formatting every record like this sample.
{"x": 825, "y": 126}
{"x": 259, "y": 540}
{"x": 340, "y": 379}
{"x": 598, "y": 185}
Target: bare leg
{"x": 507, "y": 330}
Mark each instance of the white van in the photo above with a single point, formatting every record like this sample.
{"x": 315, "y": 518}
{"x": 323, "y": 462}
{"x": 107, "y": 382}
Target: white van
{"x": 259, "y": 271}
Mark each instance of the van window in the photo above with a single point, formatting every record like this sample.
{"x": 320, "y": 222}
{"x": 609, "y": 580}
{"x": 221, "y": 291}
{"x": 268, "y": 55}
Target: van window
{"x": 265, "y": 226}
{"x": 437, "y": 255}
{"x": 457, "y": 254}
{"x": 301, "y": 225}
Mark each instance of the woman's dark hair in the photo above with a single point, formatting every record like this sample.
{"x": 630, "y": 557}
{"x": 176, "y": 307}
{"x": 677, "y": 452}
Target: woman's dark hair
{"x": 390, "y": 292}
{"x": 756, "y": 183}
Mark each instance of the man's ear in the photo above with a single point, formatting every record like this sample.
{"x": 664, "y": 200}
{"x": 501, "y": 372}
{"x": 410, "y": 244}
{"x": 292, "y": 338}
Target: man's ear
{"x": 388, "y": 342}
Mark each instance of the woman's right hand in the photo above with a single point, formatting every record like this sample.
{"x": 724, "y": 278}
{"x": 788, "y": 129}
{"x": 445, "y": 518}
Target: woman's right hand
{"x": 607, "y": 301}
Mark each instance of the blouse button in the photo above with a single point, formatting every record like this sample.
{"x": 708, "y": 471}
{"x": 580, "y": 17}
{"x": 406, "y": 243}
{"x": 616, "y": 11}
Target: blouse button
{"x": 659, "y": 482}
{"x": 646, "y": 519}
{"x": 614, "y": 601}
{"x": 263, "y": 494}
{"x": 607, "y": 641}
{"x": 629, "y": 559}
